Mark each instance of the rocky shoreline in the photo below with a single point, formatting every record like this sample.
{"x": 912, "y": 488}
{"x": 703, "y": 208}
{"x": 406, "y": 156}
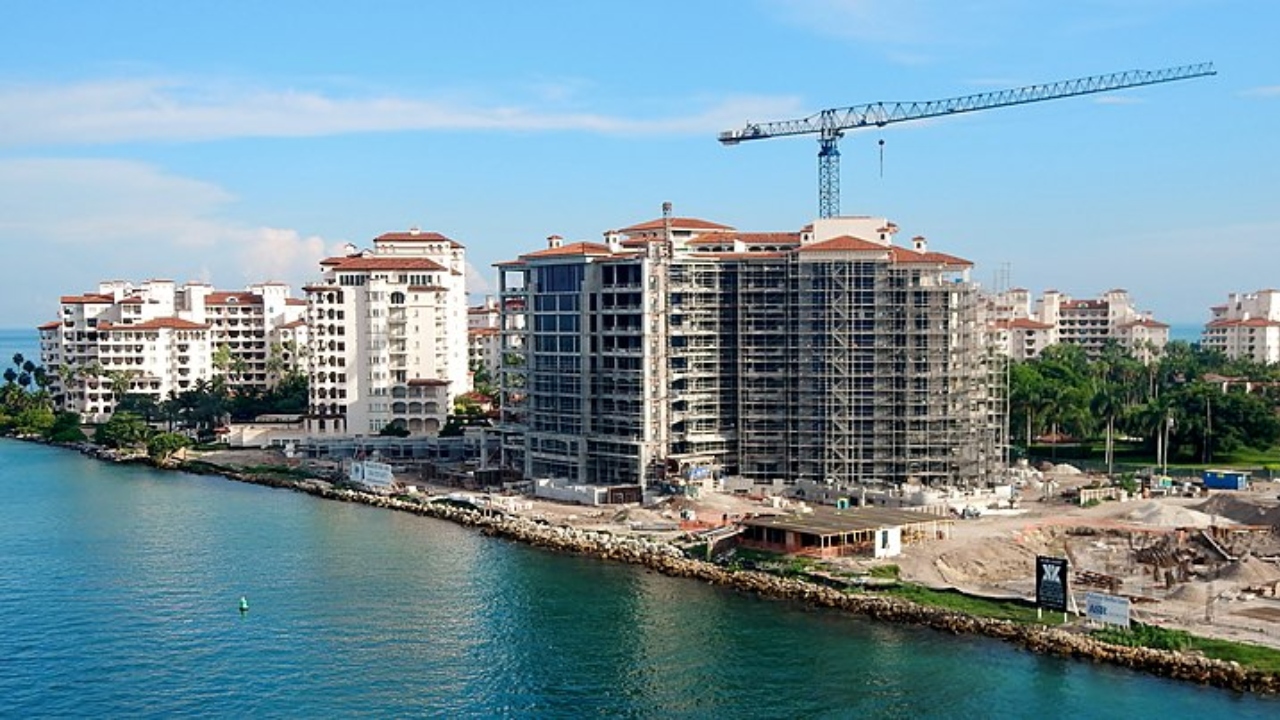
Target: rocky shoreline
{"x": 669, "y": 560}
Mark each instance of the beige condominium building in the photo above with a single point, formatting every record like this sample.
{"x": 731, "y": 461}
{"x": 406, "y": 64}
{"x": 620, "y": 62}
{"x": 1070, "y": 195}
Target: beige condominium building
{"x": 388, "y": 336}
{"x": 157, "y": 338}
{"x": 1024, "y": 330}
{"x": 1247, "y": 326}
{"x": 681, "y": 348}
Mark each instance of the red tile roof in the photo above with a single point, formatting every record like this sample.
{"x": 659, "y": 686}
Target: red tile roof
{"x": 482, "y": 331}
{"x": 1027, "y": 324}
{"x": 1250, "y": 322}
{"x": 770, "y": 238}
{"x": 903, "y": 255}
{"x": 293, "y": 324}
{"x": 384, "y": 262}
{"x": 1145, "y": 322}
{"x": 295, "y": 301}
{"x": 232, "y": 298}
{"x": 165, "y": 323}
{"x": 677, "y": 223}
{"x": 52, "y": 324}
{"x": 715, "y": 237}
{"x": 578, "y": 248}
{"x": 415, "y": 236}
{"x": 87, "y": 299}
{"x": 844, "y": 243}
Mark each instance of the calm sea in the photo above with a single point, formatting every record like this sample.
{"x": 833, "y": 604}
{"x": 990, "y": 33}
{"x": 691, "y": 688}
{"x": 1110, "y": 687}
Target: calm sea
{"x": 18, "y": 340}
{"x": 119, "y": 589}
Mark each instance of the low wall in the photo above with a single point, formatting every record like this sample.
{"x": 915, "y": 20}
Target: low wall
{"x": 669, "y": 560}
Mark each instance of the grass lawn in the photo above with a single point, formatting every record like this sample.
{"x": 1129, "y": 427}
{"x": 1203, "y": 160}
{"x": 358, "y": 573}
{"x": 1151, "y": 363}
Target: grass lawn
{"x": 1129, "y": 456}
{"x": 1255, "y": 657}
{"x": 978, "y": 607}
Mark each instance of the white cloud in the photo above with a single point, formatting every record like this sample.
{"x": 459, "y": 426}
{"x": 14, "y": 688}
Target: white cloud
{"x": 72, "y": 223}
{"x": 1263, "y": 91}
{"x": 477, "y": 283}
{"x": 83, "y": 202}
{"x": 280, "y": 254}
{"x": 153, "y": 109}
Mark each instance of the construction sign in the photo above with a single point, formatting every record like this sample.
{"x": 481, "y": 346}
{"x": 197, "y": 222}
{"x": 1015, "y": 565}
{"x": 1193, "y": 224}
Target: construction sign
{"x": 1051, "y": 583}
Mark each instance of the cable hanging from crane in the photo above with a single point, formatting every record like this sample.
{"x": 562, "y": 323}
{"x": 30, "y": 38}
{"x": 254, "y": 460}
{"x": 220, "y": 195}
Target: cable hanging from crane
{"x": 830, "y": 125}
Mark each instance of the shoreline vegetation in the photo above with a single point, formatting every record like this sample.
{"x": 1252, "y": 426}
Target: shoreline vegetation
{"x": 951, "y": 612}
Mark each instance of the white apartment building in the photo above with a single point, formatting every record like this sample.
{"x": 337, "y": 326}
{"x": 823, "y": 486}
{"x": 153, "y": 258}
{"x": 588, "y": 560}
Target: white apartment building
{"x": 158, "y": 338}
{"x": 484, "y": 341}
{"x": 680, "y": 349}
{"x": 388, "y": 344}
{"x": 1024, "y": 330}
{"x": 1247, "y": 326}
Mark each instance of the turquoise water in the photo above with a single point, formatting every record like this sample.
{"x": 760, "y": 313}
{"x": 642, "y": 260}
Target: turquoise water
{"x": 119, "y": 587}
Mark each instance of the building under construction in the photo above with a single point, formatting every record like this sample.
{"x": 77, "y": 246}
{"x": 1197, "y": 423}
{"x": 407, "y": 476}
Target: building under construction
{"x": 680, "y": 349}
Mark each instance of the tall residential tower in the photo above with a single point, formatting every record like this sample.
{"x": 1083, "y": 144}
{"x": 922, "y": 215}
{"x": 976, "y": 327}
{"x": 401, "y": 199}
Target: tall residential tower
{"x": 388, "y": 336}
{"x": 679, "y": 348}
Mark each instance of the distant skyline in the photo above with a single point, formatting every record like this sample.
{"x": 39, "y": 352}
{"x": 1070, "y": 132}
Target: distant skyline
{"x": 239, "y": 141}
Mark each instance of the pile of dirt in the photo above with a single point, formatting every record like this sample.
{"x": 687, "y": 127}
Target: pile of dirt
{"x": 1065, "y": 469}
{"x": 1249, "y": 571}
{"x": 1195, "y": 593}
{"x": 986, "y": 563}
{"x": 1245, "y": 512}
{"x": 1157, "y": 514}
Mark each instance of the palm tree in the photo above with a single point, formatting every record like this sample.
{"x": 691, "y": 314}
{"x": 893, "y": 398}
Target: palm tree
{"x": 238, "y": 366}
{"x": 170, "y": 410}
{"x": 119, "y": 382}
{"x": 275, "y": 363}
{"x": 222, "y": 358}
{"x": 1107, "y": 405}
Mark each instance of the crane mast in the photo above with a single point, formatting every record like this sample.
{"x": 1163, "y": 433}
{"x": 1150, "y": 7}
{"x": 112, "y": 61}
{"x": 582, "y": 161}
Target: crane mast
{"x": 830, "y": 125}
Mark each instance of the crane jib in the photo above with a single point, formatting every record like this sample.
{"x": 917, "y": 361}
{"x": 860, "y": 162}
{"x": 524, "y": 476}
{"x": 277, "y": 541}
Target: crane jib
{"x": 830, "y": 124}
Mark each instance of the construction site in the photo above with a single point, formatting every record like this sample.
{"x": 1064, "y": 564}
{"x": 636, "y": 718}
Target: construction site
{"x": 1207, "y": 561}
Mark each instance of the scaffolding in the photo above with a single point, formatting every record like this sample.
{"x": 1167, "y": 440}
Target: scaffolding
{"x": 848, "y": 368}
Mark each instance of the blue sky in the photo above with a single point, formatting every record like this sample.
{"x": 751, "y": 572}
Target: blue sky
{"x": 237, "y": 141}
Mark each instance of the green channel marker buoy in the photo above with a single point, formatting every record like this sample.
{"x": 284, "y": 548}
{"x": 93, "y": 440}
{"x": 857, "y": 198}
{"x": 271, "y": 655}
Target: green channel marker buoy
{"x": 244, "y": 606}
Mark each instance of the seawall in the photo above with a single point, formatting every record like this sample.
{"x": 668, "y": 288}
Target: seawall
{"x": 669, "y": 560}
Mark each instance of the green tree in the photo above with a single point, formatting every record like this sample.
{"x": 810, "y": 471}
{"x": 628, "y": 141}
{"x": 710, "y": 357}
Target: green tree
{"x": 66, "y": 428}
{"x": 161, "y": 447}
{"x": 124, "y": 430}
{"x": 34, "y": 420}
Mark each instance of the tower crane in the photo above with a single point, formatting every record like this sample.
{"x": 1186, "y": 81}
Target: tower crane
{"x": 830, "y": 125}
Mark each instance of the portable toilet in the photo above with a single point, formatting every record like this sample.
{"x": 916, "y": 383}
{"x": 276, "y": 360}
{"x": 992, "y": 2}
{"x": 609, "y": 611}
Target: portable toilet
{"x": 888, "y": 542}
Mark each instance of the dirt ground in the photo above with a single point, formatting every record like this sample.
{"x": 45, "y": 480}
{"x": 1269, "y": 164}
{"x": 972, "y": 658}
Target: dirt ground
{"x": 1207, "y": 564}
{"x": 1153, "y": 551}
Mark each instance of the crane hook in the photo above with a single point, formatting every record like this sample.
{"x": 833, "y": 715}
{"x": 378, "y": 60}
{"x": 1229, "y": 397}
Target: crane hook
{"x": 881, "y": 158}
